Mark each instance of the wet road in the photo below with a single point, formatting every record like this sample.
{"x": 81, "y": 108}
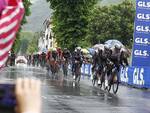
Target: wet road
{"x": 60, "y": 96}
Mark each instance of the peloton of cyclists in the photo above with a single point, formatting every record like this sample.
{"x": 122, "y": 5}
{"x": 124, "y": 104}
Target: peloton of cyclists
{"x": 105, "y": 59}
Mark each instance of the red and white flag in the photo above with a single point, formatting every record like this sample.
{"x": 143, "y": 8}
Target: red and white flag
{"x": 10, "y": 19}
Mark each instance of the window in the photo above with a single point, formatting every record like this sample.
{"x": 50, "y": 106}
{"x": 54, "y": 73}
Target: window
{"x": 47, "y": 37}
{"x": 50, "y": 36}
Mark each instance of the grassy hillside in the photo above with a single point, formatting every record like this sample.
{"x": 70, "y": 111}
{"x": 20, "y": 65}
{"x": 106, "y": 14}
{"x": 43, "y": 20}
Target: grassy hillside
{"x": 26, "y": 38}
{"x": 27, "y": 35}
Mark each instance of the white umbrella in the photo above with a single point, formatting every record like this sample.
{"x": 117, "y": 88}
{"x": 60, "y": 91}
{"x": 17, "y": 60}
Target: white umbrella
{"x": 112, "y": 43}
{"x": 98, "y": 46}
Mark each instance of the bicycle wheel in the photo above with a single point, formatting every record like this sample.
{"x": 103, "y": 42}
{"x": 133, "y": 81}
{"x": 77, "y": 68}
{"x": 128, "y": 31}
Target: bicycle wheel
{"x": 102, "y": 85}
{"x": 109, "y": 83}
{"x": 115, "y": 83}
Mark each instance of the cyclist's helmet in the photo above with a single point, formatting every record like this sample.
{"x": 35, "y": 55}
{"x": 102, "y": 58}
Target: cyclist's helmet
{"x": 117, "y": 46}
{"x": 96, "y": 51}
{"x": 106, "y": 47}
{"x": 78, "y": 48}
{"x": 65, "y": 49}
{"x": 54, "y": 49}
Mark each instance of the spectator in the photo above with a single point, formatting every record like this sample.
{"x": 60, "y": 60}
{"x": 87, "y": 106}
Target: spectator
{"x": 28, "y": 95}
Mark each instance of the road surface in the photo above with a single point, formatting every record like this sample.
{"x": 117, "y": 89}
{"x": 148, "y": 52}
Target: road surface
{"x": 61, "y": 96}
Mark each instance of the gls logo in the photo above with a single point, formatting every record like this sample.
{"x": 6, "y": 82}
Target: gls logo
{"x": 138, "y": 76}
{"x": 141, "y": 41}
{"x": 143, "y": 16}
{"x": 124, "y": 75}
{"x": 141, "y": 53}
{"x": 142, "y": 28}
{"x": 144, "y": 4}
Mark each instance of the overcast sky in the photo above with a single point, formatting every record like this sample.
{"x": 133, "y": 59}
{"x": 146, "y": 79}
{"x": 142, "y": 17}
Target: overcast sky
{"x": 39, "y": 12}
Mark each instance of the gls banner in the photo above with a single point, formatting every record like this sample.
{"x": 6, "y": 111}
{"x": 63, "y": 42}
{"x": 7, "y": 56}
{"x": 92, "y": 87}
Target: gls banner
{"x": 141, "y": 48}
{"x": 136, "y": 76}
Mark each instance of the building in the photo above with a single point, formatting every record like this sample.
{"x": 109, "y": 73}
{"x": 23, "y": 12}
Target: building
{"x": 46, "y": 40}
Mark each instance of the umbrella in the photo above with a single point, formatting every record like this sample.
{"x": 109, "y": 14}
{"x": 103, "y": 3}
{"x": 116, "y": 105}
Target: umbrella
{"x": 98, "y": 46}
{"x": 88, "y": 56}
{"x": 39, "y": 52}
{"x": 91, "y": 51}
{"x": 50, "y": 49}
{"x": 85, "y": 51}
{"x": 44, "y": 50}
{"x": 112, "y": 43}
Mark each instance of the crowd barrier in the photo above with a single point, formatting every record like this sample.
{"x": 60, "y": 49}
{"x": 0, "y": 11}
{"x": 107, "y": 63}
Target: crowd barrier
{"x": 135, "y": 76}
{"x": 86, "y": 69}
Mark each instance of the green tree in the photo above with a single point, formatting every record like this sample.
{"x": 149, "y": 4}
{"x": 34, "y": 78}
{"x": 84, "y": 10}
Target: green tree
{"x": 112, "y": 22}
{"x": 32, "y": 47}
{"x": 70, "y": 21}
{"x": 24, "y": 46}
{"x": 25, "y": 38}
{"x": 33, "y": 44}
{"x": 17, "y": 44}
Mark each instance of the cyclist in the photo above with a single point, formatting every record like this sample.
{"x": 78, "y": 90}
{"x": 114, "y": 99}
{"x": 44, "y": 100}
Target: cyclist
{"x": 116, "y": 56}
{"x": 59, "y": 52}
{"x": 48, "y": 58}
{"x": 125, "y": 54}
{"x": 59, "y": 56}
{"x": 43, "y": 59}
{"x": 106, "y": 54}
{"x": 114, "y": 62}
{"x": 97, "y": 65}
{"x": 78, "y": 59}
{"x": 66, "y": 54}
{"x": 54, "y": 66}
{"x": 119, "y": 56}
{"x": 54, "y": 54}
{"x": 94, "y": 63}
{"x": 106, "y": 62}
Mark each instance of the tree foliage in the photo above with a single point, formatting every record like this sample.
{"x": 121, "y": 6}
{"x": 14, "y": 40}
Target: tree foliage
{"x": 112, "y": 22}
{"x": 26, "y": 37}
{"x": 24, "y": 46}
{"x": 33, "y": 44}
{"x": 70, "y": 20}
{"x": 33, "y": 47}
{"x": 17, "y": 44}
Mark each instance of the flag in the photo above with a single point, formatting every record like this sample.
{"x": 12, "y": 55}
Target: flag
{"x": 10, "y": 19}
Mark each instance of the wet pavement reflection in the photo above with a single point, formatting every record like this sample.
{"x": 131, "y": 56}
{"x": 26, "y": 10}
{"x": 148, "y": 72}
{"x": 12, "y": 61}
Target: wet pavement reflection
{"x": 62, "y": 96}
